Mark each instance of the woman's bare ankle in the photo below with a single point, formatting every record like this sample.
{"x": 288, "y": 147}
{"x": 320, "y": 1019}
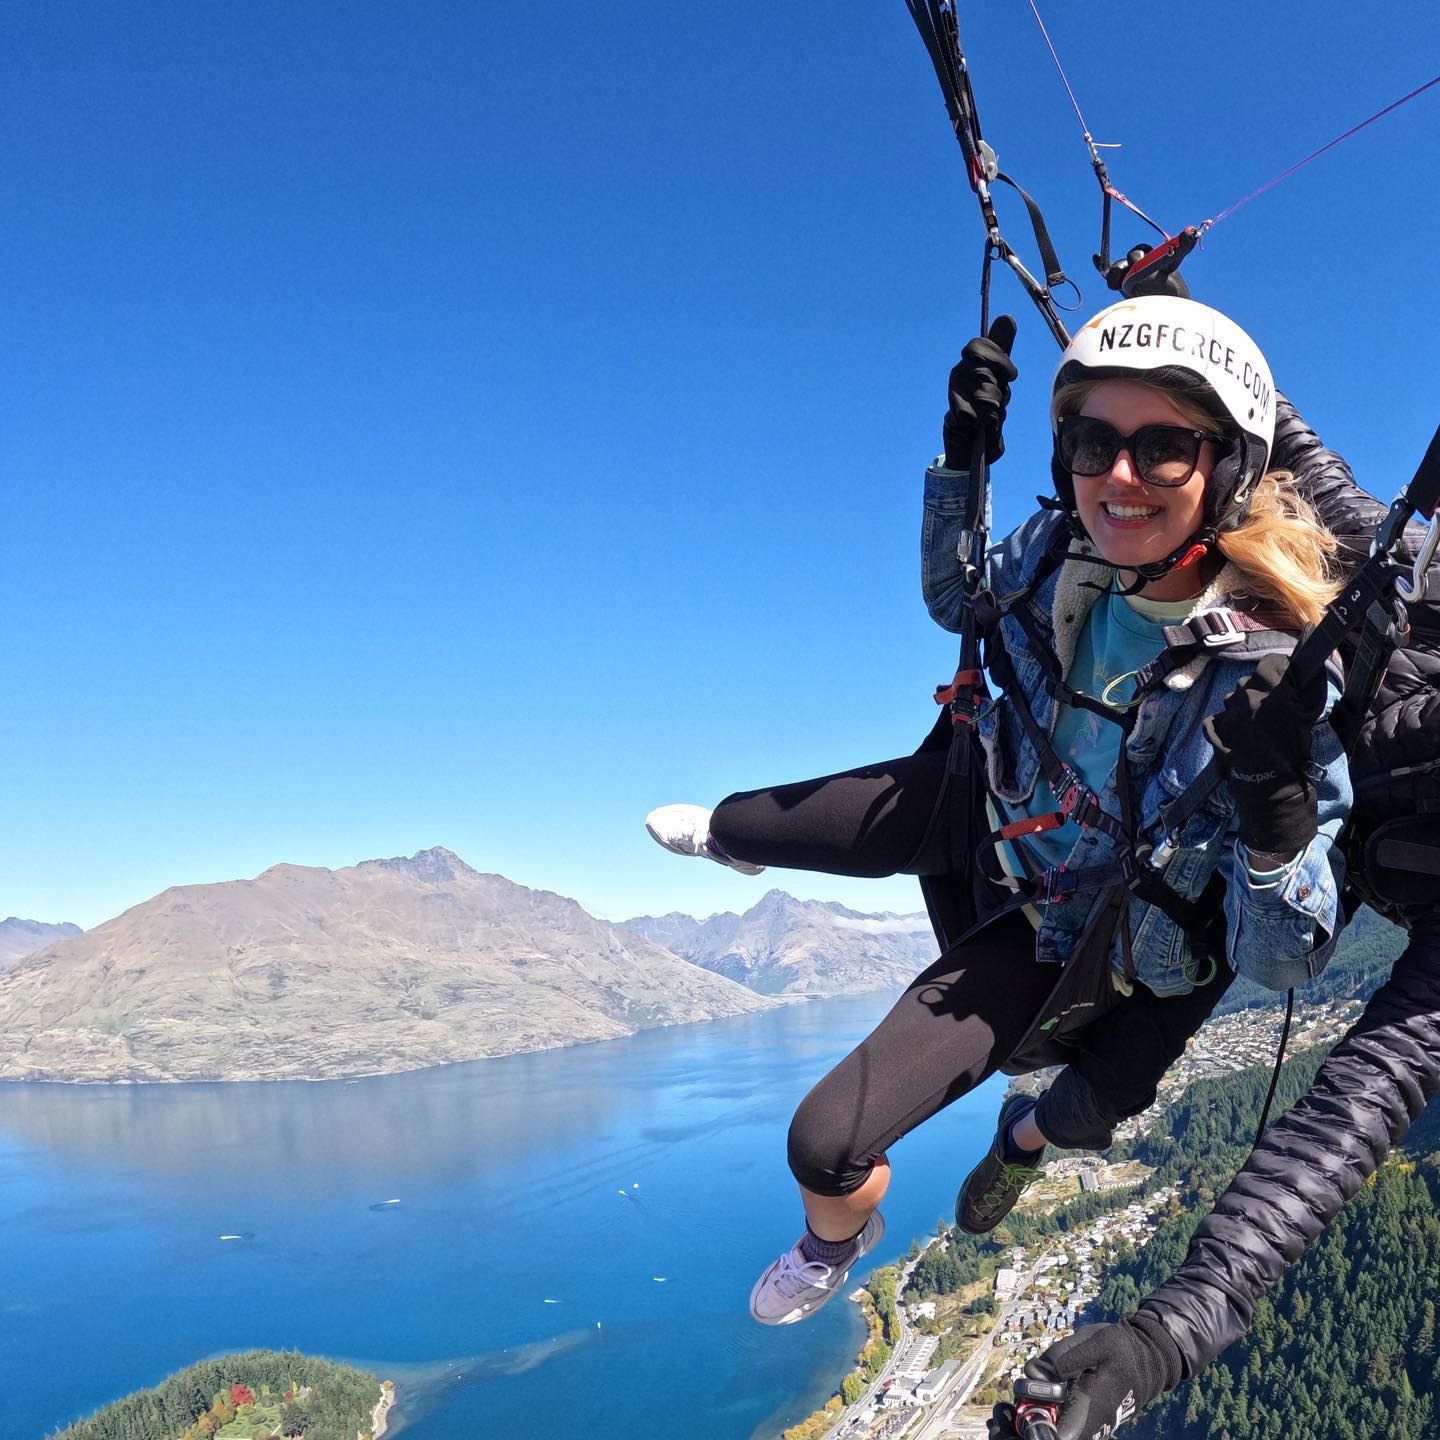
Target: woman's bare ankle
{"x": 1026, "y": 1135}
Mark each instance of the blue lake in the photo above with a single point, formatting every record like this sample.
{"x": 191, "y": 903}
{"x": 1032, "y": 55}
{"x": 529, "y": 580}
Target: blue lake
{"x": 579, "y": 1177}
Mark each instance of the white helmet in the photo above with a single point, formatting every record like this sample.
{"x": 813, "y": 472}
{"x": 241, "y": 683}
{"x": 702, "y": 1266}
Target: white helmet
{"x": 1182, "y": 344}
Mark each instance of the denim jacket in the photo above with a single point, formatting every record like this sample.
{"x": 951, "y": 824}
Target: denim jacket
{"x": 1280, "y": 932}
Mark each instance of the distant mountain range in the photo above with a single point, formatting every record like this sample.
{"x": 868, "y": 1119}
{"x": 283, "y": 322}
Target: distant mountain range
{"x": 19, "y": 938}
{"x": 310, "y": 973}
{"x": 307, "y": 973}
{"x": 784, "y": 946}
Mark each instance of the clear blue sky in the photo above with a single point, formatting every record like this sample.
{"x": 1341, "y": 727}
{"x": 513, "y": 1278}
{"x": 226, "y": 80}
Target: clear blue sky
{"x": 473, "y": 424}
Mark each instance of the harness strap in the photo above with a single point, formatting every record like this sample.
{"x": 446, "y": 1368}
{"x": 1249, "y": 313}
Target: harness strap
{"x": 1054, "y": 885}
{"x": 1385, "y": 629}
{"x": 1054, "y": 275}
{"x": 1059, "y": 883}
{"x": 1219, "y": 629}
{"x": 1050, "y": 667}
{"x": 1227, "y": 629}
{"x": 1213, "y": 631}
{"x": 1075, "y": 799}
{"x": 971, "y": 680}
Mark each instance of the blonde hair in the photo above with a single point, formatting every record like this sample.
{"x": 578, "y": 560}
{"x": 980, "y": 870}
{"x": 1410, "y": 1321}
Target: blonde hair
{"x": 1281, "y": 547}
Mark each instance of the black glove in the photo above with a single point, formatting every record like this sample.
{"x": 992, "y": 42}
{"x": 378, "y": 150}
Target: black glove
{"x": 979, "y": 393}
{"x": 1114, "y": 1372}
{"x": 1262, "y": 736}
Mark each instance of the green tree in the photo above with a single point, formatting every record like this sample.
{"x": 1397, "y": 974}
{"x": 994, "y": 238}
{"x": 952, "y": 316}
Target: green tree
{"x": 294, "y": 1418}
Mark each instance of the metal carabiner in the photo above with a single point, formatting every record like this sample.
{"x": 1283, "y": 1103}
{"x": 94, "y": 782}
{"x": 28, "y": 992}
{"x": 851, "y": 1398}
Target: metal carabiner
{"x": 1414, "y": 590}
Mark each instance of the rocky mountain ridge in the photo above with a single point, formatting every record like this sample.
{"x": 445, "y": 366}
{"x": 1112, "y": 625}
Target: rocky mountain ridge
{"x": 19, "y": 938}
{"x": 311, "y": 973}
{"x": 785, "y": 946}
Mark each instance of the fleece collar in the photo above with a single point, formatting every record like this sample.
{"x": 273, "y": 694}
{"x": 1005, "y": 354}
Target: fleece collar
{"x": 1075, "y": 593}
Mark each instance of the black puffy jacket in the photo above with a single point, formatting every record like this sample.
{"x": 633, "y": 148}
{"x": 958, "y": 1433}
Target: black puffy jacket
{"x": 1386, "y": 1069}
{"x": 1403, "y": 730}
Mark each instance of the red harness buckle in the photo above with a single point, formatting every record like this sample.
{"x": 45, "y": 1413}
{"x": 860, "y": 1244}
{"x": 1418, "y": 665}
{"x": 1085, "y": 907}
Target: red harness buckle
{"x": 970, "y": 680}
{"x": 1077, "y": 801}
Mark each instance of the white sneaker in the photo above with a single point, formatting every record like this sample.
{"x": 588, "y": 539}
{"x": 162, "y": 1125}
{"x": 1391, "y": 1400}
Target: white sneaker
{"x": 685, "y": 830}
{"x": 794, "y": 1288}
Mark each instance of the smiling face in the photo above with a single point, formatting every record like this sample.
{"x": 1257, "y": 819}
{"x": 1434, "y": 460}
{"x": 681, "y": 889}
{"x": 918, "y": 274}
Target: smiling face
{"x": 1133, "y": 523}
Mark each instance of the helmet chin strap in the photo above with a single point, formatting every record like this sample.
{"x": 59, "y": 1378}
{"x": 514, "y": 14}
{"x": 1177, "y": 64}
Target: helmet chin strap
{"x": 1190, "y": 553}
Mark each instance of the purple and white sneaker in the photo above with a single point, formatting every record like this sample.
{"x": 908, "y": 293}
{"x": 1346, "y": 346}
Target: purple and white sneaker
{"x": 685, "y": 830}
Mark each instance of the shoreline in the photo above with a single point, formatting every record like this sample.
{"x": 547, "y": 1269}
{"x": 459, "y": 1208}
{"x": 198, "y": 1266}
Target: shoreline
{"x": 380, "y": 1415}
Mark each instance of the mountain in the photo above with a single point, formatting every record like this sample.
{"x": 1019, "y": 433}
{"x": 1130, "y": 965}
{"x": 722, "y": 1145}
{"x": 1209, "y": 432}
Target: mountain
{"x": 306, "y": 973}
{"x": 784, "y": 946}
{"x": 19, "y": 938}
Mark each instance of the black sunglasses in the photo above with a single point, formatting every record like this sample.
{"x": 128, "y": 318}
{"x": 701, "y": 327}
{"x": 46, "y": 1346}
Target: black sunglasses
{"x": 1162, "y": 454}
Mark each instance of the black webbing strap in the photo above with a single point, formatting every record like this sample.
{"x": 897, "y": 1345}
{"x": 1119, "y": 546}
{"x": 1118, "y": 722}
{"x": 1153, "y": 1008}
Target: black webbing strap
{"x": 1054, "y": 275}
{"x": 1054, "y": 679}
{"x": 1423, "y": 491}
{"x": 1050, "y": 886}
{"x": 1383, "y": 630}
{"x": 1225, "y": 628}
{"x": 1075, "y": 799}
{"x": 1385, "y": 626}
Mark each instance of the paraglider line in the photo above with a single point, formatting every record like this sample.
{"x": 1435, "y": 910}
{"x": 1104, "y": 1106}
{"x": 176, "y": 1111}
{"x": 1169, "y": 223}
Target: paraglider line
{"x": 1330, "y": 145}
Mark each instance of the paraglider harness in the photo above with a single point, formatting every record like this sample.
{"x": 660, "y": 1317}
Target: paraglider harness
{"x": 1365, "y": 624}
{"x": 962, "y": 833}
{"x": 1138, "y": 869}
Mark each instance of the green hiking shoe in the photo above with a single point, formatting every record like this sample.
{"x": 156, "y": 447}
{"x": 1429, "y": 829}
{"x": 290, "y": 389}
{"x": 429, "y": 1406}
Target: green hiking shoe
{"x": 997, "y": 1182}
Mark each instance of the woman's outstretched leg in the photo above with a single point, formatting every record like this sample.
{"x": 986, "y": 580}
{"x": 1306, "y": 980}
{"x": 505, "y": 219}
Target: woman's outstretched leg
{"x": 868, "y": 822}
{"x": 954, "y": 1027}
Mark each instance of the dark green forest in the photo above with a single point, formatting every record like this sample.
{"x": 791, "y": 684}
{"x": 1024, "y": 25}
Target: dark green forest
{"x": 1345, "y": 1347}
{"x": 325, "y": 1401}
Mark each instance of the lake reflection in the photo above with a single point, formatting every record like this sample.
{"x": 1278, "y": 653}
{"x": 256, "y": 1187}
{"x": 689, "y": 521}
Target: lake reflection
{"x": 575, "y": 1230}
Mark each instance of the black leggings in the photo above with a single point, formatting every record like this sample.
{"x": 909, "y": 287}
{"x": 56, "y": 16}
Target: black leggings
{"x": 867, "y": 822}
{"x": 961, "y": 1019}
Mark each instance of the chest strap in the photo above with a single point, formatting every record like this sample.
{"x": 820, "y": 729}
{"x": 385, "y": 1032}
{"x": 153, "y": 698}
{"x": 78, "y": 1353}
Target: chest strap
{"x": 1229, "y": 631}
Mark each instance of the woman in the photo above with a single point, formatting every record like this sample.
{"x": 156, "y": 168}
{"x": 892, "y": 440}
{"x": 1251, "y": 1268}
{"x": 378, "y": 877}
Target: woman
{"x": 1139, "y": 626}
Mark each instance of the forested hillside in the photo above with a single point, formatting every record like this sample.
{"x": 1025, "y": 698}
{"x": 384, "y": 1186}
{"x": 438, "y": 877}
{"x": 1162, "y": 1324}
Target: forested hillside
{"x": 255, "y": 1393}
{"x": 1345, "y": 1348}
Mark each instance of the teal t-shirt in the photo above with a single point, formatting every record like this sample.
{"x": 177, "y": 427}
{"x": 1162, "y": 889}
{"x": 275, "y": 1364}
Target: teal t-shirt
{"x": 1120, "y": 635}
